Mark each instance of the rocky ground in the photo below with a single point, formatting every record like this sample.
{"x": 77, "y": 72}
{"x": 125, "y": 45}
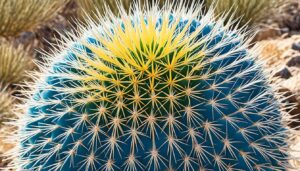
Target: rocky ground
{"x": 279, "y": 38}
{"x": 281, "y": 50}
{"x": 282, "y": 56}
{"x": 280, "y": 42}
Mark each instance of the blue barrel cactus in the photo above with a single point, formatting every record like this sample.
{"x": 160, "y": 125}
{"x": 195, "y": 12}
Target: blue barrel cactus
{"x": 159, "y": 89}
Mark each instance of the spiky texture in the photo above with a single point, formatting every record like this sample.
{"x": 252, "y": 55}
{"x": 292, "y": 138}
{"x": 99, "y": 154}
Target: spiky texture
{"x": 14, "y": 62}
{"x": 17, "y": 16}
{"x": 154, "y": 90}
{"x": 90, "y": 8}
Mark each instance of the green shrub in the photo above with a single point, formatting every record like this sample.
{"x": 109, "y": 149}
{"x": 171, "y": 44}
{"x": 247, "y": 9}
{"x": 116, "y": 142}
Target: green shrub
{"x": 22, "y": 15}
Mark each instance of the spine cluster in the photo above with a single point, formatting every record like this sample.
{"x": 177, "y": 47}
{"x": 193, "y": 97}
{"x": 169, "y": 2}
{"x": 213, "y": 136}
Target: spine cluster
{"x": 154, "y": 90}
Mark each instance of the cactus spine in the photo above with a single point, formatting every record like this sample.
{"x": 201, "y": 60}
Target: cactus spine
{"x": 168, "y": 89}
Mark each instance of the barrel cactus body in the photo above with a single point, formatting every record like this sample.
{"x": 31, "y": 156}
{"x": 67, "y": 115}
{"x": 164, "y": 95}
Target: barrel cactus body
{"x": 154, "y": 90}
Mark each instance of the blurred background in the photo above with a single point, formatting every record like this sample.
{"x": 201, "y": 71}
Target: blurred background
{"x": 30, "y": 28}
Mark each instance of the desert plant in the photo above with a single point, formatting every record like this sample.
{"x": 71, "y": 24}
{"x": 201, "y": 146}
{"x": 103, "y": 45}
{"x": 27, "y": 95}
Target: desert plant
{"x": 17, "y": 16}
{"x": 246, "y": 12}
{"x": 153, "y": 90}
{"x": 14, "y": 62}
{"x": 92, "y": 8}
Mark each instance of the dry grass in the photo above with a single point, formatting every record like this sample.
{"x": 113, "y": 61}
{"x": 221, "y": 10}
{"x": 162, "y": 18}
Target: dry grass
{"x": 6, "y": 102}
{"x": 92, "y": 7}
{"x": 248, "y": 12}
{"x": 22, "y": 15}
{"x": 14, "y": 62}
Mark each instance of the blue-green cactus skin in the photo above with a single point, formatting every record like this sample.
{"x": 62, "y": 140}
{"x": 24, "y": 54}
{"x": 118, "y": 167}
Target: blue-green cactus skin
{"x": 234, "y": 106}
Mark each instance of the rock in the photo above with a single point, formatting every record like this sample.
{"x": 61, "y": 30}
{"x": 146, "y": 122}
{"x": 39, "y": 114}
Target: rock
{"x": 26, "y": 37}
{"x": 294, "y": 61}
{"x": 291, "y": 91}
{"x": 285, "y": 30}
{"x": 288, "y": 53}
{"x": 288, "y": 17}
{"x": 3, "y": 161}
{"x": 292, "y": 106}
{"x": 295, "y": 24}
{"x": 295, "y": 32}
{"x": 280, "y": 57}
{"x": 284, "y": 73}
{"x": 278, "y": 52}
{"x": 296, "y": 46}
{"x": 271, "y": 31}
{"x": 290, "y": 96}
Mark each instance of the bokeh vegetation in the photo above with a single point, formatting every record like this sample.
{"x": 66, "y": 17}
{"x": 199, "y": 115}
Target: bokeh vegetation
{"x": 22, "y": 15}
{"x": 15, "y": 61}
{"x": 92, "y": 7}
{"x": 6, "y": 101}
{"x": 247, "y": 12}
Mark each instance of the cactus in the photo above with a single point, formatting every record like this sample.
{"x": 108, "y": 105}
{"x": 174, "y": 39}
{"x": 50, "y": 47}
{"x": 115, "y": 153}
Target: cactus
{"x": 91, "y": 8}
{"x": 159, "y": 89}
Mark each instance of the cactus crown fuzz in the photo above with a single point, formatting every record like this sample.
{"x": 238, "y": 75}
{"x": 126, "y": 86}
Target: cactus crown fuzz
{"x": 156, "y": 89}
